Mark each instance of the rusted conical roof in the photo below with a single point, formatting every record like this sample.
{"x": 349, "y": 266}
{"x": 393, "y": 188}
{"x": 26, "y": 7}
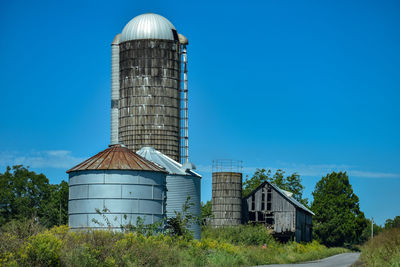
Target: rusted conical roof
{"x": 117, "y": 157}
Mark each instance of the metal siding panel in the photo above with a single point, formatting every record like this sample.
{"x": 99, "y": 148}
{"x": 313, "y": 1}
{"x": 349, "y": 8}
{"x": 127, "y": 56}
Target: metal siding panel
{"x": 158, "y": 192}
{"x": 78, "y": 191}
{"x": 128, "y": 177}
{"x": 85, "y": 205}
{"x": 104, "y": 191}
{"x": 122, "y": 205}
{"x": 130, "y": 218}
{"x": 137, "y": 191}
{"x": 150, "y": 206}
{"x": 78, "y": 220}
{"x": 179, "y": 187}
{"x": 150, "y": 178}
{"x": 86, "y": 178}
{"x": 113, "y": 219}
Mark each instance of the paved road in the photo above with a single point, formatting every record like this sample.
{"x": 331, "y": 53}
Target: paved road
{"x": 345, "y": 259}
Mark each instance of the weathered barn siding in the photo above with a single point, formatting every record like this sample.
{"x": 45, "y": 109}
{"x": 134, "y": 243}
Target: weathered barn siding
{"x": 273, "y": 207}
{"x": 149, "y": 105}
{"x": 274, "y": 210}
{"x": 303, "y": 226}
{"x": 284, "y": 213}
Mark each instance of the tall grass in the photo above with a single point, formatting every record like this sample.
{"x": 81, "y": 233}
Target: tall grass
{"x": 233, "y": 246}
{"x": 240, "y": 235}
{"x": 382, "y": 250}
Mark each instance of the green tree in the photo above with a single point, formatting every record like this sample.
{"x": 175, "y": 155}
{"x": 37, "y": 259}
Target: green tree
{"x": 22, "y": 194}
{"x": 338, "y": 220}
{"x": 395, "y": 223}
{"x": 56, "y": 206}
{"x": 206, "y": 212}
{"x": 291, "y": 183}
{"x": 25, "y": 194}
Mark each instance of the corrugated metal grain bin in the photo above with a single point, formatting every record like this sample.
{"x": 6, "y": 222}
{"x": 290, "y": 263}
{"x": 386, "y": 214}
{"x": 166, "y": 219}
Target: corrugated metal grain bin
{"x": 180, "y": 184}
{"x": 120, "y": 181}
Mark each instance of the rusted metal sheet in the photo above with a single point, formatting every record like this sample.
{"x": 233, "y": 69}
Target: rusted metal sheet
{"x": 117, "y": 157}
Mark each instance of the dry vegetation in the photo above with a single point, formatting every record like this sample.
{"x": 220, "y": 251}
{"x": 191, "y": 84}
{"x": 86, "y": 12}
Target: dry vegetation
{"x": 382, "y": 250}
{"x": 27, "y": 244}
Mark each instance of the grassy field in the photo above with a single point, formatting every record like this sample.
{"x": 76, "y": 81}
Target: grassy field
{"x": 382, "y": 250}
{"x": 30, "y": 245}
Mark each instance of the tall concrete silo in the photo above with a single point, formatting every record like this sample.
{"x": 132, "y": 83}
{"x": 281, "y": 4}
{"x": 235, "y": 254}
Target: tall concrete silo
{"x": 226, "y": 193}
{"x": 149, "y": 51}
{"x": 181, "y": 183}
{"x": 120, "y": 181}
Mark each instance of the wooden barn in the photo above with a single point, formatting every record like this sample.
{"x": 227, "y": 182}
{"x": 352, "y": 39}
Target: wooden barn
{"x": 279, "y": 211}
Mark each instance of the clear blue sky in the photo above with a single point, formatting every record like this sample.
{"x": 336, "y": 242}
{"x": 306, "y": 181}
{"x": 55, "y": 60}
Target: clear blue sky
{"x": 305, "y": 86}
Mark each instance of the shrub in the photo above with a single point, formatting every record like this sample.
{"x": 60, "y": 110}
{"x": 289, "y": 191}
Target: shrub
{"x": 230, "y": 246}
{"x": 240, "y": 235}
{"x": 41, "y": 250}
{"x": 139, "y": 250}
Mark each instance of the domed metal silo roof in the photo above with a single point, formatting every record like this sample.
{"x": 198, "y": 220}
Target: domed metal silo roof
{"x": 117, "y": 157}
{"x": 148, "y": 26}
{"x": 170, "y": 165}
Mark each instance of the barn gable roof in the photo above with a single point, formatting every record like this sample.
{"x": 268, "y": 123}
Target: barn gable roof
{"x": 284, "y": 194}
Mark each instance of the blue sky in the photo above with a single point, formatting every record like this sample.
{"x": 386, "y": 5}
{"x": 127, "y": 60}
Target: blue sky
{"x": 305, "y": 86}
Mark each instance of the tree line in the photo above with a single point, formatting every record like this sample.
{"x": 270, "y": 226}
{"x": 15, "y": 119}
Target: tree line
{"x": 26, "y": 195}
{"x": 338, "y": 220}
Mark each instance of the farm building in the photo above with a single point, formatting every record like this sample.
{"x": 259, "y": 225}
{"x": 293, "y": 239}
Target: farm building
{"x": 279, "y": 211}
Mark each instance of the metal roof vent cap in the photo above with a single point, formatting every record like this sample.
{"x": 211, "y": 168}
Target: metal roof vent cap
{"x": 182, "y": 39}
{"x": 188, "y": 166}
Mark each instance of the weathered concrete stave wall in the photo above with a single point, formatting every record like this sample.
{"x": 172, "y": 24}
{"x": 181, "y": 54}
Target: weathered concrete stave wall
{"x": 149, "y": 113}
{"x": 226, "y": 199}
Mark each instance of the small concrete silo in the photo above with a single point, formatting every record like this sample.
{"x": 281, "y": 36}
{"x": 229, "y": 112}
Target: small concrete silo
{"x": 119, "y": 180}
{"x": 147, "y": 56}
{"x": 226, "y": 193}
{"x": 181, "y": 183}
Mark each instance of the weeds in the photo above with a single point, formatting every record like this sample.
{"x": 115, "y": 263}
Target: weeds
{"x": 240, "y": 235}
{"x": 235, "y": 246}
{"x": 383, "y": 249}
